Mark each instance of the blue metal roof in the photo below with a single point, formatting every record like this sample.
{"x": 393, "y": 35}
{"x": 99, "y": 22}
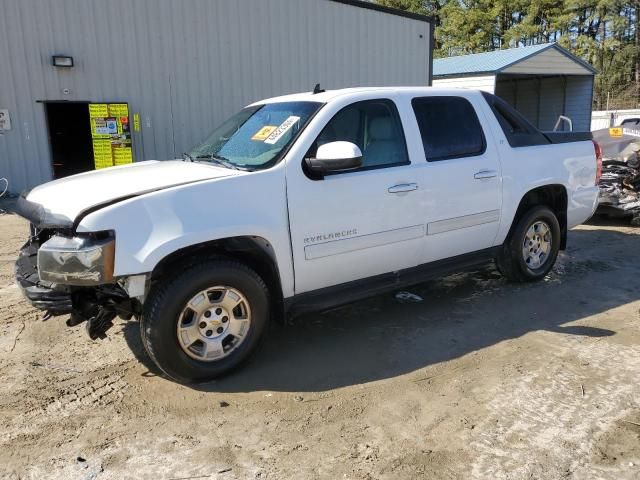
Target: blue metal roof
{"x": 494, "y": 62}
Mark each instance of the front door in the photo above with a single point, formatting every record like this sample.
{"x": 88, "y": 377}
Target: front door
{"x": 462, "y": 178}
{"x": 362, "y": 223}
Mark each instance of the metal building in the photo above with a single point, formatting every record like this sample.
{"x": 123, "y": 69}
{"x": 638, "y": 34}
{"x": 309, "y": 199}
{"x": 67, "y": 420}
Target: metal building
{"x": 87, "y": 83}
{"x": 541, "y": 81}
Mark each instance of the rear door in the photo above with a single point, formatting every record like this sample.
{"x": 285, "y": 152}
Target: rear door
{"x": 462, "y": 180}
{"x": 357, "y": 224}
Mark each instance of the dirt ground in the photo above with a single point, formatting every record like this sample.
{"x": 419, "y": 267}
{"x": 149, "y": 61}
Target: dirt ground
{"x": 483, "y": 380}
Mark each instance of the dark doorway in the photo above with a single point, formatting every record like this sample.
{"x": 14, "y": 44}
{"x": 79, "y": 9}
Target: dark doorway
{"x": 69, "y": 137}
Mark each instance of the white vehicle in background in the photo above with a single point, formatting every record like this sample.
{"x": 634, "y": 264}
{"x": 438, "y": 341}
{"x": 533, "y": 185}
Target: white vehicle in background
{"x": 300, "y": 203}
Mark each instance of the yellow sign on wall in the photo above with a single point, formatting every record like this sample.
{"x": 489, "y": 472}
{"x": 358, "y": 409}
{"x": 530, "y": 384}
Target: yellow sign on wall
{"x": 136, "y": 122}
{"x": 118, "y": 110}
{"x": 98, "y": 110}
{"x": 111, "y": 134}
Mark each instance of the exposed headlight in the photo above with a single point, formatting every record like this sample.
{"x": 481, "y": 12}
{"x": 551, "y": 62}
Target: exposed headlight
{"x": 77, "y": 261}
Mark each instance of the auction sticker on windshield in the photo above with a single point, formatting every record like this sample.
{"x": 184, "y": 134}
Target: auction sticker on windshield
{"x": 262, "y": 134}
{"x": 282, "y": 129}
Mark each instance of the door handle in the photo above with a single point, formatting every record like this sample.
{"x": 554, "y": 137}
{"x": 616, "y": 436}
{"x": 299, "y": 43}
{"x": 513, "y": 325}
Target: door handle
{"x": 403, "y": 187}
{"x": 485, "y": 174}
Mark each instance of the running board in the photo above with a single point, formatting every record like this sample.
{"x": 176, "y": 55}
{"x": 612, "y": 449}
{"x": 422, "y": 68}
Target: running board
{"x": 330, "y": 297}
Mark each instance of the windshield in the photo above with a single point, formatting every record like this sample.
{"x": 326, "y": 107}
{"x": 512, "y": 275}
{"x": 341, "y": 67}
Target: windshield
{"x": 256, "y": 136}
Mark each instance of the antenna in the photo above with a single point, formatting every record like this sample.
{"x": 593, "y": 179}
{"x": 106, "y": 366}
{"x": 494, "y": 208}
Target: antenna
{"x": 317, "y": 89}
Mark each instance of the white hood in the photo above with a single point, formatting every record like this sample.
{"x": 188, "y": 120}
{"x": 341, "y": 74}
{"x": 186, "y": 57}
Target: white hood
{"x": 61, "y": 201}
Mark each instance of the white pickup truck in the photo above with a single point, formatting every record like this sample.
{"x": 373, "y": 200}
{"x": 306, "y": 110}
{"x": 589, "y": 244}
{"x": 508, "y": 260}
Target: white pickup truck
{"x": 299, "y": 203}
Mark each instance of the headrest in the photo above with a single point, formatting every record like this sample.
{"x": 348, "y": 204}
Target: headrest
{"x": 381, "y": 128}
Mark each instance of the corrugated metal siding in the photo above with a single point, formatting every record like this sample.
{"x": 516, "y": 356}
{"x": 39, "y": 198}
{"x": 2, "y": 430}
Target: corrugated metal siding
{"x": 543, "y": 99}
{"x": 527, "y": 99}
{"x": 544, "y": 58}
{"x": 552, "y": 102}
{"x": 548, "y": 62}
{"x": 506, "y": 89}
{"x": 484, "y": 62}
{"x": 579, "y": 101}
{"x": 482, "y": 82}
{"x": 186, "y": 65}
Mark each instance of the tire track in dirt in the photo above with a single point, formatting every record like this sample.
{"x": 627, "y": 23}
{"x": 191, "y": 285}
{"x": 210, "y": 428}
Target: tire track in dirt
{"x": 541, "y": 426}
{"x": 83, "y": 395}
{"x": 99, "y": 392}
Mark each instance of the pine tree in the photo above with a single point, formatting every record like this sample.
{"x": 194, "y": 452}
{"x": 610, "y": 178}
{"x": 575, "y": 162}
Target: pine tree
{"x": 605, "y": 33}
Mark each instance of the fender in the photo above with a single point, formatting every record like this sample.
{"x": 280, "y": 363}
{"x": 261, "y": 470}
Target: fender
{"x": 567, "y": 165}
{"x": 150, "y": 227}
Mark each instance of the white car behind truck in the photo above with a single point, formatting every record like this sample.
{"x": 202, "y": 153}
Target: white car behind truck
{"x": 299, "y": 203}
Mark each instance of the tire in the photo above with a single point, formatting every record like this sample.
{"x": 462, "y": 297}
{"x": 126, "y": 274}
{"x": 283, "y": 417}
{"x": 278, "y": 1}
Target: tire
{"x": 513, "y": 261}
{"x": 209, "y": 288}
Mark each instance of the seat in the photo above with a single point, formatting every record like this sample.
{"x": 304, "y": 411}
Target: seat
{"x": 384, "y": 147}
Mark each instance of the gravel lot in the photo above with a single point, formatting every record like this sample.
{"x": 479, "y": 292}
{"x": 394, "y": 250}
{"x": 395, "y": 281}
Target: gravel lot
{"x": 483, "y": 379}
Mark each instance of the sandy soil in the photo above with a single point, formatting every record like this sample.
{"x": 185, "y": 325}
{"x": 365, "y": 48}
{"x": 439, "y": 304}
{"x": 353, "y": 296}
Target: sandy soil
{"x": 483, "y": 380}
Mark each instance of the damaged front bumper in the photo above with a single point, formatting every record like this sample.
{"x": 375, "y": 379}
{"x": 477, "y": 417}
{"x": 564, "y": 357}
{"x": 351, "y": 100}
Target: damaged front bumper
{"x": 97, "y": 305}
{"x": 54, "y": 299}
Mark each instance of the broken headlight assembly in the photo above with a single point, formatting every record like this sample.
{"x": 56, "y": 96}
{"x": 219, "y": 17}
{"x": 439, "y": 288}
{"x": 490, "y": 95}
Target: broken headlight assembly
{"x": 83, "y": 260}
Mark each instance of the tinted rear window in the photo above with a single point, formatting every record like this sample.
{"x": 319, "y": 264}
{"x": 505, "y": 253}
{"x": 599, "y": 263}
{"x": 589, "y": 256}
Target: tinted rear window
{"x": 517, "y": 129}
{"x": 449, "y": 127}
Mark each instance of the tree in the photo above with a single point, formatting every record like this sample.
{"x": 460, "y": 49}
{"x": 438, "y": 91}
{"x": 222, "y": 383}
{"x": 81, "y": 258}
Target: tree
{"x": 605, "y": 33}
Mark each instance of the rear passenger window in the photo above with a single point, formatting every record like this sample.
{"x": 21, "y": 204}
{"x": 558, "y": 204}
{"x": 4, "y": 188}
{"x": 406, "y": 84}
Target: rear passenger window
{"x": 449, "y": 128}
{"x": 374, "y": 126}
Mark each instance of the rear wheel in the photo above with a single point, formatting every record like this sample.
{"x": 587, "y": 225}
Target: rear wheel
{"x": 532, "y": 248}
{"x": 205, "y": 321}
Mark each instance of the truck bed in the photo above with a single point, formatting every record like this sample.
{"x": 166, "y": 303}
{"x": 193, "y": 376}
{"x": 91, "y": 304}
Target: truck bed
{"x": 568, "y": 137}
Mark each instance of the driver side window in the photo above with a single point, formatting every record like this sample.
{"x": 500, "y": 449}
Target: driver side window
{"x": 375, "y": 127}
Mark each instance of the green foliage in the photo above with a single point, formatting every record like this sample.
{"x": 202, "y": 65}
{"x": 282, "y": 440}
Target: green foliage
{"x": 605, "y": 33}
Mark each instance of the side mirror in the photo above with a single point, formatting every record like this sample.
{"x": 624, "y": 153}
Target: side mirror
{"x": 335, "y": 157}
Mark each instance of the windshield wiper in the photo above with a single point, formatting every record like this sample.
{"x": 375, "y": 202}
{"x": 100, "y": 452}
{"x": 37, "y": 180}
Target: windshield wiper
{"x": 218, "y": 160}
{"x": 186, "y": 156}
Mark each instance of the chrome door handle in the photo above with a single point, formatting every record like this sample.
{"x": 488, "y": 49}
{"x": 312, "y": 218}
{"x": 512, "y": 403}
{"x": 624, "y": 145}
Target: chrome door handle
{"x": 403, "y": 187}
{"x": 485, "y": 174}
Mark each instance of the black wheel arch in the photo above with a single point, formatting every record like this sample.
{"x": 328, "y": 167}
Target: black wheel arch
{"x": 254, "y": 251}
{"x": 555, "y": 197}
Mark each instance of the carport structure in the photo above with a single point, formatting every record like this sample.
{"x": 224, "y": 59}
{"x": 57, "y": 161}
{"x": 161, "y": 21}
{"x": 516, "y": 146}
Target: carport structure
{"x": 541, "y": 81}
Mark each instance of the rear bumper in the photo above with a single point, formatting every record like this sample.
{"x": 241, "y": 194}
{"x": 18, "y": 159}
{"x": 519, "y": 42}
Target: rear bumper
{"x": 42, "y": 295}
{"x": 582, "y": 205}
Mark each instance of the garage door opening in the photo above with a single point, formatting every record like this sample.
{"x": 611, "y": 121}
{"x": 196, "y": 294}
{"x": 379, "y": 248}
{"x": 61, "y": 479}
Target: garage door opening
{"x": 69, "y": 138}
{"x": 541, "y": 81}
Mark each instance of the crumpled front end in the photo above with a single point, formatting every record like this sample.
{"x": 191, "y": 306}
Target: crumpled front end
{"x": 96, "y": 305}
{"x": 40, "y": 217}
{"x": 54, "y": 299}
{"x": 66, "y": 269}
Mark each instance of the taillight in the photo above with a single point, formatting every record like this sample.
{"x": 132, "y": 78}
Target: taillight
{"x": 598, "y": 161}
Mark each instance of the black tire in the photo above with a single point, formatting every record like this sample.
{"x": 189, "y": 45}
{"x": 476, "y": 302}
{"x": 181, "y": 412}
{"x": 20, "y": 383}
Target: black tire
{"x": 511, "y": 262}
{"x": 169, "y": 296}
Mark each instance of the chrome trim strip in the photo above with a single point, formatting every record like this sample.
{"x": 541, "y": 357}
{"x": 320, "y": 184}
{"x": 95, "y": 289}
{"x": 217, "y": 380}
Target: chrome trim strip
{"x": 336, "y": 247}
{"x": 457, "y": 223}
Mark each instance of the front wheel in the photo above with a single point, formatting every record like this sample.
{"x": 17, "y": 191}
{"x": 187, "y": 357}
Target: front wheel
{"x": 530, "y": 252}
{"x": 205, "y": 321}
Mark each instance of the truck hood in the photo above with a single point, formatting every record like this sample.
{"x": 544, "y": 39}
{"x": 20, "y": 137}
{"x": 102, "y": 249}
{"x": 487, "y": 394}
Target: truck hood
{"x": 59, "y": 203}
